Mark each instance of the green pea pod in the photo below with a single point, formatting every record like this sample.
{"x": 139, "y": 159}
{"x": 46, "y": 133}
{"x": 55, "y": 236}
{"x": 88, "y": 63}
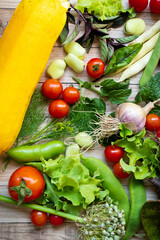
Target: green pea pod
{"x": 109, "y": 181}
{"x": 137, "y": 194}
{"x": 34, "y": 153}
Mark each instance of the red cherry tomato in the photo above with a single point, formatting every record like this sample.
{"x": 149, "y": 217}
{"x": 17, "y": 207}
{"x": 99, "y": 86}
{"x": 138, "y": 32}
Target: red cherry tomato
{"x": 52, "y": 89}
{"x": 158, "y": 133}
{"x": 152, "y": 122}
{"x": 71, "y": 95}
{"x": 34, "y": 181}
{"x": 58, "y": 109}
{"x": 138, "y": 5}
{"x": 56, "y": 220}
{"x": 95, "y": 68}
{"x": 38, "y": 218}
{"x": 113, "y": 153}
{"x": 118, "y": 171}
{"x": 155, "y": 6}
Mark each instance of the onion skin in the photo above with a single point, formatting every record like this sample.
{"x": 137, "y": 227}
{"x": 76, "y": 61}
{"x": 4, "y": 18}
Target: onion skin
{"x": 133, "y": 115}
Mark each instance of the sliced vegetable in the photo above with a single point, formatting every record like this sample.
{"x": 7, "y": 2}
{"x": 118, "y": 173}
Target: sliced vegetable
{"x": 137, "y": 193}
{"x": 75, "y": 48}
{"x": 134, "y": 26}
{"x": 147, "y": 34}
{"x": 74, "y": 63}
{"x": 52, "y": 88}
{"x": 150, "y": 216}
{"x": 151, "y": 65}
{"x": 136, "y": 67}
{"x": 56, "y": 68}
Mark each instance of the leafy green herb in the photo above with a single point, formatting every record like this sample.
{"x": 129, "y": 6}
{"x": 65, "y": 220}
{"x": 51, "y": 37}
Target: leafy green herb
{"x": 143, "y": 153}
{"x": 151, "y": 91}
{"x": 94, "y": 27}
{"x": 115, "y": 91}
{"x": 122, "y": 57}
{"x": 85, "y": 113}
{"x": 34, "y": 116}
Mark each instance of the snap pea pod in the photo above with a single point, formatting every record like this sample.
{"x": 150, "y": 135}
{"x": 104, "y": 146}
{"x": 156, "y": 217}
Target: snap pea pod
{"x": 35, "y": 152}
{"x": 137, "y": 194}
{"x": 109, "y": 181}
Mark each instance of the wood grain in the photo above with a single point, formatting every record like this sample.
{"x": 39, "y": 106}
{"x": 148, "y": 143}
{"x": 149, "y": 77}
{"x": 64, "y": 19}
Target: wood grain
{"x": 15, "y": 222}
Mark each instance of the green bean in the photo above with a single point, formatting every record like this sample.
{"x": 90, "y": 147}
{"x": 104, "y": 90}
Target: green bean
{"x": 110, "y": 182}
{"x": 35, "y": 152}
{"x": 138, "y": 198}
{"x": 151, "y": 65}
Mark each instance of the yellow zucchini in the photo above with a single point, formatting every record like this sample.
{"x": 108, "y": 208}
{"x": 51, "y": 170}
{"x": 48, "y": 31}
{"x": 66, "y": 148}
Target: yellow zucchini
{"x": 25, "y": 47}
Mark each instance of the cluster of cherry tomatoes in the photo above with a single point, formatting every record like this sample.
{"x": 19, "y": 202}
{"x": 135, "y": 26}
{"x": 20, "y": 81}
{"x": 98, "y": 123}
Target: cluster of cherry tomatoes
{"x": 140, "y": 5}
{"x": 34, "y": 181}
{"x": 114, "y": 154}
{"x": 59, "y": 107}
{"x": 39, "y": 218}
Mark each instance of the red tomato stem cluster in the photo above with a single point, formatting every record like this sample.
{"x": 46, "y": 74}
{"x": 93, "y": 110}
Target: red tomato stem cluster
{"x": 53, "y": 89}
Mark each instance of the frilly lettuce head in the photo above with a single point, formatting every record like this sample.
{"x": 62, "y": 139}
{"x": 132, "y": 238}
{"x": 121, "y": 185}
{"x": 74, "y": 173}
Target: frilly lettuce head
{"x": 103, "y": 9}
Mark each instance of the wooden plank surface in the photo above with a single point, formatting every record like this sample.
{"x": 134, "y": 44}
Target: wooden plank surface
{"x": 15, "y": 223}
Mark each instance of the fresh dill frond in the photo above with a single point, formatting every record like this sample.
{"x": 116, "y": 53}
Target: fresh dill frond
{"x": 35, "y": 115}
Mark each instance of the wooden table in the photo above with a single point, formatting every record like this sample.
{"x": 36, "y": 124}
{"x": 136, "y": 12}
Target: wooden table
{"x": 15, "y": 222}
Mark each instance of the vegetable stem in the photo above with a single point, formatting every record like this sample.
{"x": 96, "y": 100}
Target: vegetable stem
{"x": 43, "y": 209}
{"x": 89, "y": 85}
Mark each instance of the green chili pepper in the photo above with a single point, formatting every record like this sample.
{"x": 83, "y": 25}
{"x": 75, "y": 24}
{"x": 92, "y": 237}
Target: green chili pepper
{"x": 109, "y": 181}
{"x": 137, "y": 194}
{"x": 34, "y": 153}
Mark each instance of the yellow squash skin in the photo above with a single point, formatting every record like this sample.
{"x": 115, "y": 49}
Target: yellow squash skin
{"x": 25, "y": 47}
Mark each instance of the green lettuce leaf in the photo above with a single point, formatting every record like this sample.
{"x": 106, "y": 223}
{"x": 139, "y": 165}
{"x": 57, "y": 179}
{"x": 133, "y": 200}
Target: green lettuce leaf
{"x": 70, "y": 182}
{"x": 142, "y": 153}
{"x": 101, "y": 8}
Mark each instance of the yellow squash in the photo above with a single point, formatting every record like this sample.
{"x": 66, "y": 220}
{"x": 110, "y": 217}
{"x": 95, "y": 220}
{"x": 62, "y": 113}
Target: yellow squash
{"x": 25, "y": 47}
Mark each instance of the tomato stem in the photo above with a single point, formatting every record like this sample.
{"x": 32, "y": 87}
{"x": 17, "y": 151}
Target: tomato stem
{"x": 43, "y": 209}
